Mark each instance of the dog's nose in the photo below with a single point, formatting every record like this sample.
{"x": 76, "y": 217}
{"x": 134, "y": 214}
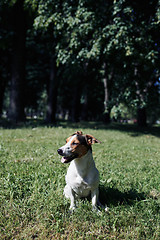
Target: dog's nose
{"x": 60, "y": 152}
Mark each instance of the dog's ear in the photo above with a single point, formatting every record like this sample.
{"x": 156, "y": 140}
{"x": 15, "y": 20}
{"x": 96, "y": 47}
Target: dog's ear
{"x": 78, "y": 133}
{"x": 91, "y": 140}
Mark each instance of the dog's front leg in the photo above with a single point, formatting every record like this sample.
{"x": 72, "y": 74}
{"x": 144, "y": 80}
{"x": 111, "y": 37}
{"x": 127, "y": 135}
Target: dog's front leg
{"x": 69, "y": 193}
{"x": 94, "y": 197}
{"x": 72, "y": 198}
{"x": 95, "y": 201}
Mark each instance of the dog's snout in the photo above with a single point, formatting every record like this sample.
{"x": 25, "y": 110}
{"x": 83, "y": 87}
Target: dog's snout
{"x": 60, "y": 152}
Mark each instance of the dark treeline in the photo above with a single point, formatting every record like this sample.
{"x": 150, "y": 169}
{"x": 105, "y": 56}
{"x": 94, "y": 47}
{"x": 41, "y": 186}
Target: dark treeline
{"x": 80, "y": 60}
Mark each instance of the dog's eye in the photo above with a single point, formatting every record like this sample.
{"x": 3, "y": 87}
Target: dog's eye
{"x": 74, "y": 143}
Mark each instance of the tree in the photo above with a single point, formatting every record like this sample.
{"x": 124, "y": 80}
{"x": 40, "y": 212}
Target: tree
{"x": 5, "y": 45}
{"x": 4, "y": 77}
{"x": 110, "y": 34}
{"x": 46, "y": 21}
{"x": 130, "y": 36}
{"x": 52, "y": 92}
{"x": 144, "y": 56}
{"x": 90, "y": 56}
{"x": 37, "y": 72}
{"x": 17, "y": 92}
{"x": 16, "y": 17}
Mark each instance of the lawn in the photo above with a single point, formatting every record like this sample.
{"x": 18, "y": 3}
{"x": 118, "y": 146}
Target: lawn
{"x": 32, "y": 179}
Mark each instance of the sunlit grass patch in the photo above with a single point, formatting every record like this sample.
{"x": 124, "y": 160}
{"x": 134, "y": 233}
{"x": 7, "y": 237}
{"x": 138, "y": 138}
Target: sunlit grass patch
{"x": 32, "y": 179}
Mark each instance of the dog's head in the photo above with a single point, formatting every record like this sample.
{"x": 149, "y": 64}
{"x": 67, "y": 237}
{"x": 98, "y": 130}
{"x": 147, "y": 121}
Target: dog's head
{"x": 76, "y": 146}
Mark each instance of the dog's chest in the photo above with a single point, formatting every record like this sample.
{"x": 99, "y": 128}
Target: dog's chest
{"x": 82, "y": 176}
{"x": 81, "y": 186}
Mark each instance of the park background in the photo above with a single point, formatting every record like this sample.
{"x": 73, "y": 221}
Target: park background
{"x": 80, "y": 60}
{"x": 79, "y": 65}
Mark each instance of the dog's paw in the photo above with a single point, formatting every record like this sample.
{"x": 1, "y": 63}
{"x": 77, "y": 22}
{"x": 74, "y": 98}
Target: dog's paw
{"x": 72, "y": 209}
{"x": 106, "y": 209}
{"x": 96, "y": 210}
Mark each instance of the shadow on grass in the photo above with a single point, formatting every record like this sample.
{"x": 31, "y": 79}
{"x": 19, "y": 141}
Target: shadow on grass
{"x": 131, "y": 129}
{"x": 112, "y": 196}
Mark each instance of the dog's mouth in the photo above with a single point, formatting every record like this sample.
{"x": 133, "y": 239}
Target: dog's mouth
{"x": 68, "y": 159}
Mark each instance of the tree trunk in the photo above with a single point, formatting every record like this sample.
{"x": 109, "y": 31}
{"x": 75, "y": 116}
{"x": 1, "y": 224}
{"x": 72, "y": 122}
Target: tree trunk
{"x": 75, "y": 104}
{"x": 52, "y": 93}
{"x": 106, "y": 100}
{"x": 107, "y": 110}
{"x": 141, "y": 111}
{"x": 2, "y": 90}
{"x": 84, "y": 111}
{"x": 141, "y": 117}
{"x": 17, "y": 91}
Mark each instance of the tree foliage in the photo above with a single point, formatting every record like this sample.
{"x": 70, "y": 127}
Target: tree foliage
{"x": 86, "y": 43}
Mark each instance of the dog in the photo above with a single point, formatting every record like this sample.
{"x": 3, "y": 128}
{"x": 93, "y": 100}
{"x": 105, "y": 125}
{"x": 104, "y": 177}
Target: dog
{"x": 82, "y": 178}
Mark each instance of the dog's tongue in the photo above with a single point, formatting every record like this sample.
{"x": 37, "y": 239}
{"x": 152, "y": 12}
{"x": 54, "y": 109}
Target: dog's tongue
{"x": 63, "y": 160}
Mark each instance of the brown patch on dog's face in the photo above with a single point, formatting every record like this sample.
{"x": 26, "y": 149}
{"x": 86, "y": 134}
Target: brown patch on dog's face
{"x": 67, "y": 140}
{"x": 79, "y": 146}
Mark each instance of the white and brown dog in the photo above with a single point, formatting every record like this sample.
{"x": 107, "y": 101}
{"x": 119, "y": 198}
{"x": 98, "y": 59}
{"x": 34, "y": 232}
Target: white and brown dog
{"x": 82, "y": 177}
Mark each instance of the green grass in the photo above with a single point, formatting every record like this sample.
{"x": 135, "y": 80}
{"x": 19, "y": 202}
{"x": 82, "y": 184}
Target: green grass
{"x": 32, "y": 179}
